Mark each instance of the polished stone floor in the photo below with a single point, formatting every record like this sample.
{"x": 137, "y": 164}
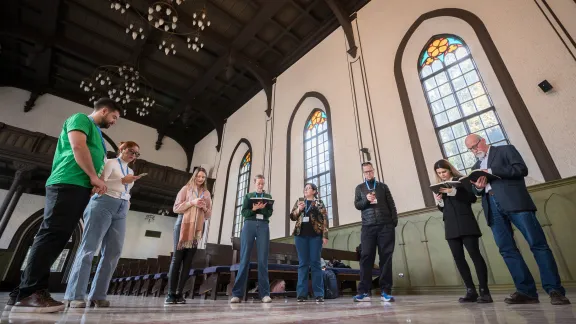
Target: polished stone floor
{"x": 407, "y": 309}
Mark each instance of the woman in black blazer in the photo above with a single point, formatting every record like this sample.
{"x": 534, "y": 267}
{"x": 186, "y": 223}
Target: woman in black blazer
{"x": 462, "y": 231}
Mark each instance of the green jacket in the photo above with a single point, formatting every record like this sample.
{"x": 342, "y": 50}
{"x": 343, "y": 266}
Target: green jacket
{"x": 247, "y": 211}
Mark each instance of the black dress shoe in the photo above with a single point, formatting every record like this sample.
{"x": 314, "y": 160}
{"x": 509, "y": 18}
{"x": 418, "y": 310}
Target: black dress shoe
{"x": 301, "y": 299}
{"x": 170, "y": 299}
{"x": 556, "y": 298}
{"x": 519, "y": 298}
{"x": 180, "y": 299}
{"x": 484, "y": 297}
{"x": 471, "y": 296}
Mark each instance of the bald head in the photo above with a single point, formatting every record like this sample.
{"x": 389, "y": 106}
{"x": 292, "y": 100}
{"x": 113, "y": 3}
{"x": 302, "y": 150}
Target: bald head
{"x": 477, "y": 145}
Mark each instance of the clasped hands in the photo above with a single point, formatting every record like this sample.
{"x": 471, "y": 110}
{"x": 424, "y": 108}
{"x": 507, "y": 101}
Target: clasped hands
{"x": 200, "y": 203}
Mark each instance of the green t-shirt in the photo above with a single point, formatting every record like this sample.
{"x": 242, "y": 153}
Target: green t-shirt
{"x": 65, "y": 170}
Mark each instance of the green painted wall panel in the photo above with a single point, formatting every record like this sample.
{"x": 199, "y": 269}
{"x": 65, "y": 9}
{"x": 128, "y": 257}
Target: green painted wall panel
{"x": 423, "y": 256}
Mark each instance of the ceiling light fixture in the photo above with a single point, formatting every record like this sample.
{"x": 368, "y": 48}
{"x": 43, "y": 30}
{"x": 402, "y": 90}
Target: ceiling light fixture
{"x": 123, "y": 84}
{"x": 119, "y": 5}
{"x": 163, "y": 15}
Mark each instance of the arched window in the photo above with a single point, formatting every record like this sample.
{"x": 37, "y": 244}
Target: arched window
{"x": 457, "y": 97}
{"x": 317, "y": 157}
{"x": 241, "y": 191}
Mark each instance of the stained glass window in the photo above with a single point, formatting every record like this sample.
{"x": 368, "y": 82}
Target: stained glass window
{"x": 241, "y": 191}
{"x": 317, "y": 157}
{"x": 457, "y": 98}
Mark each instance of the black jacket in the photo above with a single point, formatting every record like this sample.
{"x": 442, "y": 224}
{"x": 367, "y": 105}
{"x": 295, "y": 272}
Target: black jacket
{"x": 457, "y": 214}
{"x": 510, "y": 191}
{"x": 384, "y": 212}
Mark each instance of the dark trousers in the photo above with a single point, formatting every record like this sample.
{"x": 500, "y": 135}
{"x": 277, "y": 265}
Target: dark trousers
{"x": 472, "y": 244}
{"x": 381, "y": 237}
{"x": 63, "y": 209}
{"x": 180, "y": 264}
{"x": 528, "y": 225}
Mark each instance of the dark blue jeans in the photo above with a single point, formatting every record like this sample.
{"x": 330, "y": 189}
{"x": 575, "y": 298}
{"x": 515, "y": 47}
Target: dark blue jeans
{"x": 309, "y": 252}
{"x": 260, "y": 231}
{"x": 528, "y": 225}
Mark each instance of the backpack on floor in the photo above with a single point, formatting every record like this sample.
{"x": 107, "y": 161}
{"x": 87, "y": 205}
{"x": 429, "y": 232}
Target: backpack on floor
{"x": 330, "y": 285}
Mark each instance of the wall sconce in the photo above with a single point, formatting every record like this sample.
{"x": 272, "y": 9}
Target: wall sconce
{"x": 366, "y": 154}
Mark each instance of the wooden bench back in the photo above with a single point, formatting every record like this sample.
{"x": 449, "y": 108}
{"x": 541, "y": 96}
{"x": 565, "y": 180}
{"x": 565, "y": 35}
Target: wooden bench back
{"x": 277, "y": 252}
{"x": 217, "y": 254}
{"x": 289, "y": 254}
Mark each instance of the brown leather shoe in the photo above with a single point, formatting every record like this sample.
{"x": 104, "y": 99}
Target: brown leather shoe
{"x": 519, "y": 298}
{"x": 38, "y": 302}
{"x": 557, "y": 298}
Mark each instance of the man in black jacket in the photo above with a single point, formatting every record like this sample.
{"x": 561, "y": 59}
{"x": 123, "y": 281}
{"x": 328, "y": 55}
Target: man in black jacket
{"x": 379, "y": 220}
{"x": 506, "y": 201}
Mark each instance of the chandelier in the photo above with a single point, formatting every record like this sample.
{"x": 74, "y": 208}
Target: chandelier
{"x": 163, "y": 15}
{"x": 123, "y": 84}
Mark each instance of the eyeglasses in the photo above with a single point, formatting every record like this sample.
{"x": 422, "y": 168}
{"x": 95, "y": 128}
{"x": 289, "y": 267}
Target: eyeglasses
{"x": 136, "y": 154}
{"x": 369, "y": 171}
{"x": 474, "y": 147}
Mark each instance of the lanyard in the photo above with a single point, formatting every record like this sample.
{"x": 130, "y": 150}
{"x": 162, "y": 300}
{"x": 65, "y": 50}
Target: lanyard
{"x": 307, "y": 208}
{"x": 101, "y": 137}
{"x": 124, "y": 173}
{"x": 367, "y": 186}
{"x": 256, "y": 194}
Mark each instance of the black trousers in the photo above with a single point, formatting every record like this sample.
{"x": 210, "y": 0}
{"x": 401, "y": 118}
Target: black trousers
{"x": 180, "y": 264}
{"x": 63, "y": 209}
{"x": 372, "y": 237}
{"x": 472, "y": 244}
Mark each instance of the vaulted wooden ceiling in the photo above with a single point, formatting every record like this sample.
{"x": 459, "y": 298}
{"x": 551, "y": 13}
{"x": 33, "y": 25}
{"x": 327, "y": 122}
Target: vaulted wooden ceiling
{"x": 50, "y": 46}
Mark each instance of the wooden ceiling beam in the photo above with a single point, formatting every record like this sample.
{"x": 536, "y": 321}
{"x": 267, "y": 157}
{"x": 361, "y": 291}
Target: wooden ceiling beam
{"x": 264, "y": 14}
{"x": 41, "y": 57}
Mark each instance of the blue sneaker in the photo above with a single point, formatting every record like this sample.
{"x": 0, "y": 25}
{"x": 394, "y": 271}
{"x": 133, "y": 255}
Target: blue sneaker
{"x": 362, "y": 298}
{"x": 387, "y": 298}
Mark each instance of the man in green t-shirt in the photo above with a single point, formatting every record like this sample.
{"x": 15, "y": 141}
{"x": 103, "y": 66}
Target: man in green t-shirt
{"x": 78, "y": 163}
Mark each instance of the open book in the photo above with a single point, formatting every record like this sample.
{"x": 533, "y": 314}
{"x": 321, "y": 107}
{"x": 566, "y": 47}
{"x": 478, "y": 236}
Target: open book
{"x": 446, "y": 184}
{"x": 476, "y": 174}
{"x": 267, "y": 201}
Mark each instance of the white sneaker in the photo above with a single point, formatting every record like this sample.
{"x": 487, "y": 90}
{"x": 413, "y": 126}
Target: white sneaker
{"x": 267, "y": 299}
{"x": 235, "y": 300}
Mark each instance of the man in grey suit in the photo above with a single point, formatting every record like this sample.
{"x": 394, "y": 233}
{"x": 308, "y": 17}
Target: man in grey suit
{"x": 506, "y": 201}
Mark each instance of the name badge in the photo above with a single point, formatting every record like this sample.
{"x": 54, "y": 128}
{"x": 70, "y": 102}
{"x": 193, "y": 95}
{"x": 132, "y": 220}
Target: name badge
{"x": 305, "y": 219}
{"x": 123, "y": 196}
{"x": 259, "y": 216}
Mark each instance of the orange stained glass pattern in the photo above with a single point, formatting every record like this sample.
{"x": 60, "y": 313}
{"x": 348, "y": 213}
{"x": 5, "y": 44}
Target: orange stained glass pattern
{"x": 438, "y": 48}
{"x": 318, "y": 118}
{"x": 246, "y": 159}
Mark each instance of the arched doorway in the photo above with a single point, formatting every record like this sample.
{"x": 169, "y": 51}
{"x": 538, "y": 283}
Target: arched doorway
{"x": 21, "y": 243}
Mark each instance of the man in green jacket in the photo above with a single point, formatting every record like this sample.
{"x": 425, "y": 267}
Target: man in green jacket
{"x": 255, "y": 227}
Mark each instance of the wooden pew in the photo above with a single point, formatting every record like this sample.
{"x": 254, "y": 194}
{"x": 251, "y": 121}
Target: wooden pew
{"x": 216, "y": 273}
{"x": 286, "y": 267}
{"x": 160, "y": 278}
{"x": 145, "y": 268}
